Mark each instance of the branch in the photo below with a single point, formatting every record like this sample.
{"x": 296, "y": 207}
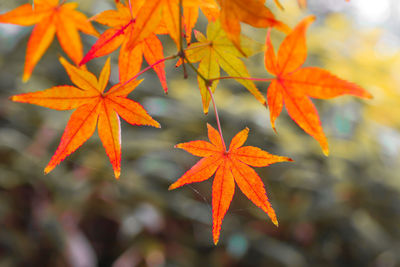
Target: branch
{"x": 181, "y": 51}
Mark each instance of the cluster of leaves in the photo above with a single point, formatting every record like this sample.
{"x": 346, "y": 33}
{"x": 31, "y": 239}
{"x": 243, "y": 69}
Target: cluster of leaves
{"x": 134, "y": 28}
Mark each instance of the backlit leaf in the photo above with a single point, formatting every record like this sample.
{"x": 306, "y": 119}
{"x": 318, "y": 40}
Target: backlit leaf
{"x": 93, "y": 107}
{"x": 50, "y": 18}
{"x": 294, "y": 85}
{"x": 229, "y": 167}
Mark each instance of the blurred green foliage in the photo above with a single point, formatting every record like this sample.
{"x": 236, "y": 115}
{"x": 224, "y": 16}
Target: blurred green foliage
{"x": 341, "y": 210}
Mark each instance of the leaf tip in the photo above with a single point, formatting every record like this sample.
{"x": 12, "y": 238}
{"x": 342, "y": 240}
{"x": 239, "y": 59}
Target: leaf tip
{"x": 156, "y": 124}
{"x": 172, "y": 187}
{"x": 216, "y": 239}
{"x": 273, "y": 127}
{"x": 310, "y": 19}
{"x": 246, "y": 130}
{"x": 178, "y": 145}
{"x": 323, "y": 142}
{"x": 25, "y": 77}
{"x": 288, "y": 159}
{"x": 48, "y": 169}
{"x": 275, "y": 222}
{"x": 368, "y": 95}
{"x": 197, "y": 34}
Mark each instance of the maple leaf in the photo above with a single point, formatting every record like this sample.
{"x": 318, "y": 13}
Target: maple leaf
{"x": 217, "y": 51}
{"x": 50, "y": 18}
{"x": 93, "y": 106}
{"x": 191, "y": 14}
{"x": 229, "y": 167}
{"x": 252, "y": 12}
{"x": 122, "y": 24}
{"x": 154, "y": 12}
{"x": 294, "y": 85}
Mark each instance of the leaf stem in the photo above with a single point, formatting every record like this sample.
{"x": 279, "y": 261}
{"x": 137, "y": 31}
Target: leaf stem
{"x": 216, "y": 115}
{"x": 130, "y": 8}
{"x": 181, "y": 51}
{"x": 144, "y": 70}
{"x": 208, "y": 82}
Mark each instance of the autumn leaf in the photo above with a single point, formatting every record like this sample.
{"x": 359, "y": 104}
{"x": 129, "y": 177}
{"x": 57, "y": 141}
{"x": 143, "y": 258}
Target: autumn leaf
{"x": 191, "y": 13}
{"x": 130, "y": 61}
{"x": 229, "y": 167}
{"x": 293, "y": 85}
{"x": 252, "y": 12}
{"x": 93, "y": 107}
{"x": 50, "y": 17}
{"x": 154, "y": 12}
{"x": 216, "y": 51}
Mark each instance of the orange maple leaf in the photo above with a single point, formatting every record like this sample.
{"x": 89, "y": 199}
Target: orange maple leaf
{"x": 93, "y": 106}
{"x": 154, "y": 12}
{"x": 50, "y": 17}
{"x": 294, "y": 85}
{"x": 191, "y": 13}
{"x": 122, "y": 23}
{"x": 252, "y": 12}
{"x": 229, "y": 166}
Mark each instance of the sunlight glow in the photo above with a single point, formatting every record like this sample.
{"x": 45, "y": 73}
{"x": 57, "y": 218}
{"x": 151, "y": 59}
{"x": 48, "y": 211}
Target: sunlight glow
{"x": 372, "y": 11}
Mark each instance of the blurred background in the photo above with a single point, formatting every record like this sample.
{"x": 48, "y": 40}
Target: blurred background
{"x": 341, "y": 210}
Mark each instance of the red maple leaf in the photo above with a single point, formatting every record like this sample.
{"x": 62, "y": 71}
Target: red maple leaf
{"x": 166, "y": 12}
{"x": 252, "y": 12}
{"x": 50, "y": 17}
{"x": 229, "y": 167}
{"x": 294, "y": 85}
{"x": 122, "y": 23}
{"x": 93, "y": 107}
